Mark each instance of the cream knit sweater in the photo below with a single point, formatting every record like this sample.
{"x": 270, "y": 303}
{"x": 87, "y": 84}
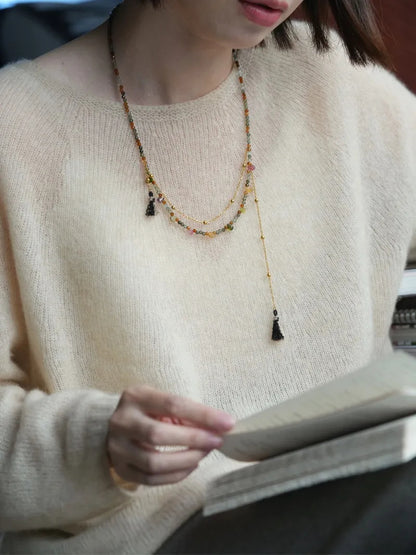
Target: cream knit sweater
{"x": 95, "y": 297}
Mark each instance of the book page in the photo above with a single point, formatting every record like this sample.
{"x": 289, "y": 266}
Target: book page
{"x": 377, "y": 393}
{"x": 267, "y": 442}
{"x": 364, "y": 451}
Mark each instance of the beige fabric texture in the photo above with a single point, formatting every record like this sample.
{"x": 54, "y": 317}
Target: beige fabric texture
{"x": 95, "y": 297}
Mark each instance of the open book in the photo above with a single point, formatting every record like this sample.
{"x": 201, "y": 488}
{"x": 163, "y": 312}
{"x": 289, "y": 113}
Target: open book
{"x": 363, "y": 421}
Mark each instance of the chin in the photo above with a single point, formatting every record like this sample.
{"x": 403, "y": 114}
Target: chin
{"x": 241, "y": 43}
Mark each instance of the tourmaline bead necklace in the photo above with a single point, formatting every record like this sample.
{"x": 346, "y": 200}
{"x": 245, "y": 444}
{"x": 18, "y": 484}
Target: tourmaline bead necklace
{"x": 178, "y": 216}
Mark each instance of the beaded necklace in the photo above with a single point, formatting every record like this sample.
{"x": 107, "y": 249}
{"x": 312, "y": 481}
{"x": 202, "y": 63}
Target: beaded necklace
{"x": 176, "y": 215}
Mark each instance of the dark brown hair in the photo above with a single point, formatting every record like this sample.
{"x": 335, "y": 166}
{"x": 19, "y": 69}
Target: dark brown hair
{"x": 356, "y": 24}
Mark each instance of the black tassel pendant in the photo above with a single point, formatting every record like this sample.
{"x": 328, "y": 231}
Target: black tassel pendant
{"x": 277, "y": 334}
{"x": 150, "y": 210}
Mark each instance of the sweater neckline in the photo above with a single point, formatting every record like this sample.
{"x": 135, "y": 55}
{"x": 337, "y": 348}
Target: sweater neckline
{"x": 205, "y": 103}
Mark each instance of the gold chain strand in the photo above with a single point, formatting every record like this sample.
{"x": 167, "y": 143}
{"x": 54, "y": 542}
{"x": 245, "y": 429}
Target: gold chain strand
{"x": 214, "y": 219}
{"x": 276, "y": 333}
{"x": 170, "y": 206}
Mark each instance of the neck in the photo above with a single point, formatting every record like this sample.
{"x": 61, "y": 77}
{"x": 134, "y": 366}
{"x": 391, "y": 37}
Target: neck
{"x": 160, "y": 62}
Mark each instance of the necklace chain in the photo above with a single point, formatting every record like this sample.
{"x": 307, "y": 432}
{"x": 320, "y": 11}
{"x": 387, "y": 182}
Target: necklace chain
{"x": 218, "y": 216}
{"x": 247, "y": 170}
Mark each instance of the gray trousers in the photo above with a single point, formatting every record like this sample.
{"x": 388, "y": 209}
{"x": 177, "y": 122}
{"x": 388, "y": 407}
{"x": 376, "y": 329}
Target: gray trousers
{"x": 370, "y": 513}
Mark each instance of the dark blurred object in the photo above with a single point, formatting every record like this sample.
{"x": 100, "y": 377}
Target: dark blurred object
{"x": 397, "y": 20}
{"x": 29, "y": 30}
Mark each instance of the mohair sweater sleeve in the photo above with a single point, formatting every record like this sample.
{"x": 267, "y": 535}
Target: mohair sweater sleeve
{"x": 390, "y": 109}
{"x": 410, "y": 126}
{"x": 53, "y": 468}
{"x": 409, "y": 130}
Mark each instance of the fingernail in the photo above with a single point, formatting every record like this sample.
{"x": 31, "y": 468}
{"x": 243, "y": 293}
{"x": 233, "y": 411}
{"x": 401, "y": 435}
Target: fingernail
{"x": 215, "y": 441}
{"x": 228, "y": 421}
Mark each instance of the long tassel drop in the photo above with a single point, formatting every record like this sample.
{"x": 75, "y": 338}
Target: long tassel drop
{"x": 277, "y": 334}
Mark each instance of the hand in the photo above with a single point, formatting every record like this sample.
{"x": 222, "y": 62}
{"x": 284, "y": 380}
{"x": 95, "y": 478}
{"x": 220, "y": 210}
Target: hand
{"x": 145, "y": 419}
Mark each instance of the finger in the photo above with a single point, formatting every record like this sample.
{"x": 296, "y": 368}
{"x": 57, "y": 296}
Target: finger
{"x": 156, "y": 462}
{"x": 158, "y": 403}
{"x": 133, "y": 425}
{"x": 133, "y": 474}
{"x": 152, "y": 461}
{"x": 156, "y": 434}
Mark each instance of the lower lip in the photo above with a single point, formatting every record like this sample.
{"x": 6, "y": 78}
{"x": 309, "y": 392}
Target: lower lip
{"x": 260, "y": 15}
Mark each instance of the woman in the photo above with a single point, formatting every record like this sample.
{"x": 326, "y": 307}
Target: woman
{"x": 124, "y": 328}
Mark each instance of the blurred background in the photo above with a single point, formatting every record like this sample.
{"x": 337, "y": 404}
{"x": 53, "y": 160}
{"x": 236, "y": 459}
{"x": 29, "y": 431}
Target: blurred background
{"x": 28, "y": 29}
